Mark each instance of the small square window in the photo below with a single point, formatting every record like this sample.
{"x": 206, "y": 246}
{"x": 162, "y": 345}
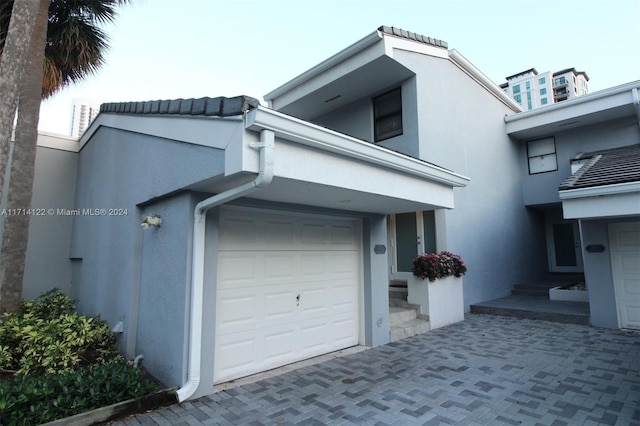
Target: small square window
{"x": 516, "y": 89}
{"x": 541, "y": 154}
{"x": 543, "y": 101}
{"x": 542, "y": 80}
{"x": 387, "y": 115}
{"x": 543, "y": 91}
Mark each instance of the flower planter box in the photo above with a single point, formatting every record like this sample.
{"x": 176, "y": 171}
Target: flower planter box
{"x": 441, "y": 300}
{"x": 560, "y": 293}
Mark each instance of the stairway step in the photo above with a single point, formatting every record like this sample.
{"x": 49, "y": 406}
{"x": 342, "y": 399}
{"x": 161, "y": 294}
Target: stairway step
{"x": 398, "y": 315}
{"x": 409, "y": 329}
{"x": 542, "y": 292}
{"x": 398, "y": 293}
{"x": 537, "y": 285}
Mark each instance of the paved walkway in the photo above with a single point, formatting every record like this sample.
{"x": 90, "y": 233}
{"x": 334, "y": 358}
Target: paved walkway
{"x": 487, "y": 370}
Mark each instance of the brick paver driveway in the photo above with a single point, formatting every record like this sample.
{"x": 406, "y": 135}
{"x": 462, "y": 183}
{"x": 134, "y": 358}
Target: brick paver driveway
{"x": 487, "y": 370}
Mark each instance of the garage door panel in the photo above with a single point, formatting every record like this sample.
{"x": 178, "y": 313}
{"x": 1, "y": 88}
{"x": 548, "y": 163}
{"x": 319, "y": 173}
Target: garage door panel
{"x": 237, "y": 269}
{"x": 344, "y": 296}
{"x": 279, "y": 233}
{"x": 238, "y": 231}
{"x": 343, "y": 330}
{"x": 280, "y": 267}
{"x": 341, "y": 264}
{"x": 279, "y": 344}
{"x": 299, "y": 277}
{"x": 312, "y": 264}
{"x": 236, "y": 353}
{"x": 343, "y": 235}
{"x": 315, "y": 338}
{"x": 279, "y": 305}
{"x": 625, "y": 265}
{"x": 237, "y": 311}
{"x": 313, "y": 234}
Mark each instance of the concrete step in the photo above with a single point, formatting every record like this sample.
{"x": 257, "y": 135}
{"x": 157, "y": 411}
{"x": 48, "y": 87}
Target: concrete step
{"x": 398, "y": 315}
{"x": 409, "y": 329}
{"x": 530, "y": 291}
{"x": 565, "y": 318}
{"x": 398, "y": 293}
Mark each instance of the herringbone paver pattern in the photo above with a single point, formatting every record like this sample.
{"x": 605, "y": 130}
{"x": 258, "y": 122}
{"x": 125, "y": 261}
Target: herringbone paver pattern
{"x": 487, "y": 370}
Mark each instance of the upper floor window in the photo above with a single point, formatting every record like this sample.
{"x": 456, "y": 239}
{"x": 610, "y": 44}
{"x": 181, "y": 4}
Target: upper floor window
{"x": 543, "y": 101}
{"x": 528, "y": 85}
{"x": 560, "y": 81}
{"x": 542, "y": 156}
{"x": 387, "y": 115}
{"x": 516, "y": 89}
{"x": 542, "y": 80}
{"x": 543, "y": 91}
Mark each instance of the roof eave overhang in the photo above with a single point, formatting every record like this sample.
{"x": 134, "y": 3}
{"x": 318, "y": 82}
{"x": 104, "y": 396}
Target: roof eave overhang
{"x": 325, "y": 65}
{"x": 617, "y": 102}
{"x": 607, "y": 201}
{"x": 308, "y": 134}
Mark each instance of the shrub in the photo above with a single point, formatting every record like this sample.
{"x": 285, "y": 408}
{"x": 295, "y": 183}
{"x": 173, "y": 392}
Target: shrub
{"x": 45, "y": 337}
{"x": 29, "y": 400}
{"x": 438, "y": 265}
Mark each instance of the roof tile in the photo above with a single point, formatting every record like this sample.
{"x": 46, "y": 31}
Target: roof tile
{"x": 606, "y": 167}
{"x": 413, "y": 36}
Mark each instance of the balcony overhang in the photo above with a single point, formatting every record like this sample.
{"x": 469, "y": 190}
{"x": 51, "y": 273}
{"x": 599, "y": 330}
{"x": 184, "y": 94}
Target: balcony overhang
{"x": 606, "y": 105}
{"x": 314, "y": 166}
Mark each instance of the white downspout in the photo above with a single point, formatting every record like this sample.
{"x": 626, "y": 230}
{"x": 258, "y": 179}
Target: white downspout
{"x": 265, "y": 175}
{"x": 636, "y": 102}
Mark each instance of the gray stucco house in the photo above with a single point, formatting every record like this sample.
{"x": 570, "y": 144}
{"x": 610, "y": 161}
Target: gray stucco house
{"x": 270, "y": 234}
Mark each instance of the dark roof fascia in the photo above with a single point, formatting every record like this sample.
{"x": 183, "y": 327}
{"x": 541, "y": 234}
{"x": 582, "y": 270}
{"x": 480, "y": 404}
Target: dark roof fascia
{"x": 533, "y": 70}
{"x": 572, "y": 70}
{"x": 220, "y": 106}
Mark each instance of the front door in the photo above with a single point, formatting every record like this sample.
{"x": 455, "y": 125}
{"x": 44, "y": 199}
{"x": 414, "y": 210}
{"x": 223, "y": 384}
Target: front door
{"x": 410, "y": 234}
{"x": 563, "y": 245}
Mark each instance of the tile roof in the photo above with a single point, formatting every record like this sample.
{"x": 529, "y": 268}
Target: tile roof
{"x": 413, "y": 36}
{"x": 606, "y": 167}
{"x": 221, "y": 106}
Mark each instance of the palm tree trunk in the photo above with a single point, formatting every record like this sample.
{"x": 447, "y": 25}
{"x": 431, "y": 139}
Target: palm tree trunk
{"x": 14, "y": 56}
{"x": 16, "y": 227}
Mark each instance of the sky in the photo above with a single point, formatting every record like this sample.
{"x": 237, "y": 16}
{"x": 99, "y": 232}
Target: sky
{"x": 168, "y": 49}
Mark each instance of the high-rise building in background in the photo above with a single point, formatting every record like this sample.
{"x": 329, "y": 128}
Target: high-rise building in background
{"x": 532, "y": 89}
{"x": 83, "y": 112}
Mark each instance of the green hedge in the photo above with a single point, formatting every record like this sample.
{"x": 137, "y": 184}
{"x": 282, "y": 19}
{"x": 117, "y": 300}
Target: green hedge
{"x": 30, "y": 400}
{"x": 57, "y": 363}
{"x": 46, "y": 336}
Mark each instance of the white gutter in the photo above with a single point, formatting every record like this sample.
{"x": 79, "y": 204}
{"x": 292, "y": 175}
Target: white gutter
{"x": 598, "y": 191}
{"x": 636, "y": 102}
{"x": 262, "y": 180}
{"x": 462, "y": 62}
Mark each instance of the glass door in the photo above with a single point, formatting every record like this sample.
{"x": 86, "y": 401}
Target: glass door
{"x": 410, "y": 234}
{"x": 564, "y": 247}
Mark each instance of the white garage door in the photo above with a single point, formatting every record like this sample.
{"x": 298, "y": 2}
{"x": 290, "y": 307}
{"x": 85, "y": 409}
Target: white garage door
{"x": 624, "y": 241}
{"x": 287, "y": 289}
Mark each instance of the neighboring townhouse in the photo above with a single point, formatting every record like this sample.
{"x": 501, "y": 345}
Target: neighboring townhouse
{"x": 584, "y": 204}
{"x": 222, "y": 238}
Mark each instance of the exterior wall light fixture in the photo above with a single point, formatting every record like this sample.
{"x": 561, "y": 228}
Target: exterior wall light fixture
{"x": 151, "y": 220}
